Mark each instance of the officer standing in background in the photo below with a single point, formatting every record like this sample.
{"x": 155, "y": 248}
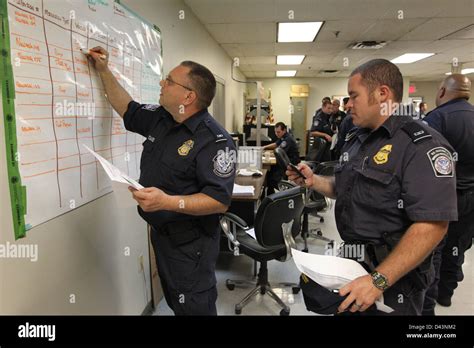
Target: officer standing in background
{"x": 187, "y": 169}
{"x": 345, "y": 128}
{"x": 321, "y": 126}
{"x": 454, "y": 118}
{"x": 395, "y": 193}
{"x": 288, "y": 144}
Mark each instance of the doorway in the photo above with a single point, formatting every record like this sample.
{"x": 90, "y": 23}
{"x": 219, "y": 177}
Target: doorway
{"x": 298, "y": 122}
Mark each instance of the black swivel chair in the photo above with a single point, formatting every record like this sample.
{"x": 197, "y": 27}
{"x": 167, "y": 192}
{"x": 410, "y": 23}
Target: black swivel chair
{"x": 276, "y": 224}
{"x": 314, "y": 202}
{"x": 318, "y": 150}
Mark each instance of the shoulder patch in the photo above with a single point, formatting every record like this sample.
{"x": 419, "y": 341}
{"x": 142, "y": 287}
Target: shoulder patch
{"x": 283, "y": 144}
{"x": 223, "y": 164}
{"x": 215, "y": 130}
{"x": 442, "y": 162}
{"x": 416, "y": 132}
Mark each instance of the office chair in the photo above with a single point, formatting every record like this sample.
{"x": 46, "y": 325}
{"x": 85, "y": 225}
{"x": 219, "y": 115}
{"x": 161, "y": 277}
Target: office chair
{"x": 314, "y": 202}
{"x": 277, "y": 222}
{"x": 318, "y": 150}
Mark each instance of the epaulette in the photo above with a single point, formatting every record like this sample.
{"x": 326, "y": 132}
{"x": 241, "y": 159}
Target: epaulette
{"x": 416, "y": 132}
{"x": 215, "y": 129}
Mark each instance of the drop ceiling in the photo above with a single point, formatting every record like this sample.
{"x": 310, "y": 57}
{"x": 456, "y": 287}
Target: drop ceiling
{"x": 248, "y": 29}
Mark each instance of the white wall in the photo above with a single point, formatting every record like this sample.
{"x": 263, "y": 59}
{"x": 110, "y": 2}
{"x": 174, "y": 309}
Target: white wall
{"x": 318, "y": 89}
{"x": 82, "y": 252}
{"x": 187, "y": 39}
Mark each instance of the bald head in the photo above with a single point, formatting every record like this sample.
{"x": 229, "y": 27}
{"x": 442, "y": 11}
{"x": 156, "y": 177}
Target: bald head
{"x": 453, "y": 87}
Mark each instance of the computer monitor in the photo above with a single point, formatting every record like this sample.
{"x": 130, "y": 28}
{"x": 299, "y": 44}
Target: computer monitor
{"x": 263, "y": 134}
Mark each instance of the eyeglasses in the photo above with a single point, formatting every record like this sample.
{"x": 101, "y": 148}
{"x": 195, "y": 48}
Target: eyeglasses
{"x": 170, "y": 81}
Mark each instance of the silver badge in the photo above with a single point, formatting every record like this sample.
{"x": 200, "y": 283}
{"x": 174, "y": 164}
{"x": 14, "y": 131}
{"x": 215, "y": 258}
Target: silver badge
{"x": 223, "y": 164}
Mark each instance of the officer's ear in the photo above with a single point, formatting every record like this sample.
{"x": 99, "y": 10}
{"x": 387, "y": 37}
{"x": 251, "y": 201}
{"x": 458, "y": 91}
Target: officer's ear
{"x": 384, "y": 93}
{"x": 190, "y": 97}
{"x": 442, "y": 92}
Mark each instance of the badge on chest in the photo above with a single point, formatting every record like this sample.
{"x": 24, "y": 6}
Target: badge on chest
{"x": 381, "y": 157}
{"x": 184, "y": 149}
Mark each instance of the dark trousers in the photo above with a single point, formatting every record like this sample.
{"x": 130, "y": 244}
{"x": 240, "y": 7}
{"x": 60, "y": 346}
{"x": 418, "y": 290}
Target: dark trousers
{"x": 187, "y": 272}
{"x": 450, "y": 253}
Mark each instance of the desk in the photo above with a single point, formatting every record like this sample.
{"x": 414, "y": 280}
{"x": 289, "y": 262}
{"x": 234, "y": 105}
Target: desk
{"x": 268, "y": 159}
{"x": 246, "y": 206}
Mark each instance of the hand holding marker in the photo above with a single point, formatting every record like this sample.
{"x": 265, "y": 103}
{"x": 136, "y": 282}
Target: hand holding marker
{"x": 88, "y": 52}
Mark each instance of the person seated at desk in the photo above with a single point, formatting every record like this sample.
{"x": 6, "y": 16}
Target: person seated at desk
{"x": 288, "y": 144}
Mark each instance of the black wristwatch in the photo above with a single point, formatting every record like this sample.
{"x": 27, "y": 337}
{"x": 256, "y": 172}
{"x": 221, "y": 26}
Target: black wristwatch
{"x": 379, "y": 280}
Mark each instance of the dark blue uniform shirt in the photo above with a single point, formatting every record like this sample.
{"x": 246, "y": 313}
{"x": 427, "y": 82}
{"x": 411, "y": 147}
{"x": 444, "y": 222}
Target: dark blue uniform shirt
{"x": 321, "y": 123}
{"x": 387, "y": 179}
{"x": 455, "y": 121}
{"x": 289, "y": 145}
{"x": 195, "y": 156}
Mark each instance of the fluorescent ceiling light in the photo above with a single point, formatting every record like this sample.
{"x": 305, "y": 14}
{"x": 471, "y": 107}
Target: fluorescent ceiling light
{"x": 290, "y": 60}
{"x": 410, "y": 58}
{"x": 463, "y": 71}
{"x": 298, "y": 32}
{"x": 286, "y": 73}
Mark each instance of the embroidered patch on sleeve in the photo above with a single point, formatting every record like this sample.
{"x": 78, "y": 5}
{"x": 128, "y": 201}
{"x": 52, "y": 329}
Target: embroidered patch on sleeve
{"x": 441, "y": 161}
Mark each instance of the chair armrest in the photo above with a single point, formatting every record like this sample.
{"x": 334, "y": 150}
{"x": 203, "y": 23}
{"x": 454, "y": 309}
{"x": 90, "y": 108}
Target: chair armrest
{"x": 236, "y": 219}
{"x": 229, "y": 223}
{"x": 289, "y": 240}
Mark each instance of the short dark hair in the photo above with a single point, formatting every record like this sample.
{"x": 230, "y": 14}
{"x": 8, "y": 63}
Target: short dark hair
{"x": 327, "y": 102}
{"x": 202, "y": 82}
{"x": 345, "y": 100}
{"x": 421, "y": 104}
{"x": 325, "y": 98}
{"x": 377, "y": 72}
{"x": 281, "y": 125}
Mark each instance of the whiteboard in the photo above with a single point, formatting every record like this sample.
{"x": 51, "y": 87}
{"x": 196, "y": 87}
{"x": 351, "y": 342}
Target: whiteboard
{"x": 60, "y": 102}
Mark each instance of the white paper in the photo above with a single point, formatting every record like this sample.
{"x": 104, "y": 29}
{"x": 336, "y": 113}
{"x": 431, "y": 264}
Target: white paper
{"x": 240, "y": 190}
{"x": 332, "y": 272}
{"x": 113, "y": 172}
{"x": 249, "y": 172}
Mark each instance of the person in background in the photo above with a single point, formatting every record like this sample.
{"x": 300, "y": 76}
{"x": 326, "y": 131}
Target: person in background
{"x": 321, "y": 108}
{"x": 346, "y": 126}
{"x": 288, "y": 144}
{"x": 423, "y": 107}
{"x": 321, "y": 126}
{"x": 453, "y": 117}
{"x": 337, "y": 115}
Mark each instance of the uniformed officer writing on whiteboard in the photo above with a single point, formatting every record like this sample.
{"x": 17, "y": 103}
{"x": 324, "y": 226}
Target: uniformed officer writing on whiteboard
{"x": 188, "y": 174}
{"x": 395, "y": 192}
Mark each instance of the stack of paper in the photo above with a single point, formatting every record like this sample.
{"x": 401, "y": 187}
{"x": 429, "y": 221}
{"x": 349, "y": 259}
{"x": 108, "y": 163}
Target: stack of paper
{"x": 113, "y": 172}
{"x": 240, "y": 190}
{"x": 332, "y": 272}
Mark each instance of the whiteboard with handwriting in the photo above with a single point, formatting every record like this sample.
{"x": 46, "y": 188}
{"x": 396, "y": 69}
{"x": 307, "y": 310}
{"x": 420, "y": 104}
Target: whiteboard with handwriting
{"x": 60, "y": 102}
